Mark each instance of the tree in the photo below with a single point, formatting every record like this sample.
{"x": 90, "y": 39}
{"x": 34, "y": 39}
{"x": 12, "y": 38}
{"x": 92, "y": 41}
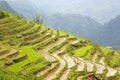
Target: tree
{"x": 38, "y": 19}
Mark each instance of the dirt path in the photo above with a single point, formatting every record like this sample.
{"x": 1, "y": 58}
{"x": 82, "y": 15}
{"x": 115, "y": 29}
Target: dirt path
{"x": 79, "y": 78}
{"x": 90, "y": 66}
{"x": 69, "y": 60}
{"x": 32, "y": 40}
{"x": 102, "y": 61}
{"x": 94, "y": 57}
{"x": 53, "y": 65}
{"x": 51, "y": 58}
{"x": 100, "y": 68}
{"x": 59, "y": 41}
{"x": 110, "y": 72}
{"x": 73, "y": 41}
{"x": 80, "y": 66}
{"x": 12, "y": 51}
{"x": 88, "y": 63}
{"x": 61, "y": 66}
{"x": 65, "y": 75}
{"x": 44, "y": 39}
{"x": 70, "y": 63}
{"x": 44, "y": 52}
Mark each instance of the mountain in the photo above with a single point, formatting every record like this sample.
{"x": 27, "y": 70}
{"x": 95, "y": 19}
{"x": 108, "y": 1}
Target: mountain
{"x": 105, "y": 35}
{"x": 73, "y": 23}
{"x": 24, "y": 8}
{"x": 5, "y": 6}
{"x": 109, "y": 34}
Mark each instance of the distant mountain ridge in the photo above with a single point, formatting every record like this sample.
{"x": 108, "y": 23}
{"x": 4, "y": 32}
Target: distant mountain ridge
{"x": 23, "y": 7}
{"x": 73, "y": 23}
{"x": 107, "y": 34}
{"x": 5, "y": 6}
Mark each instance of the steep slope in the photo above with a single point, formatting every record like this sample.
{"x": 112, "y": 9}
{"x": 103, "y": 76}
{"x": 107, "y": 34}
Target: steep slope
{"x": 5, "y": 6}
{"x": 72, "y": 23}
{"x": 37, "y": 52}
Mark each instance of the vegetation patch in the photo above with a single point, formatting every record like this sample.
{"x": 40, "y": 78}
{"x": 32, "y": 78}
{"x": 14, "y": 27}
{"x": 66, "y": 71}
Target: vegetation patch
{"x": 32, "y": 56}
{"x": 84, "y": 52}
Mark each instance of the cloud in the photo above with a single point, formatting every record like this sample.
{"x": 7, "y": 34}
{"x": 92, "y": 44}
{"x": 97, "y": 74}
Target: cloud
{"x": 101, "y": 10}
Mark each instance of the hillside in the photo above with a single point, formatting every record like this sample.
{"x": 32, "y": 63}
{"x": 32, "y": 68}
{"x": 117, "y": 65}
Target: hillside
{"x": 86, "y": 26}
{"x": 31, "y": 51}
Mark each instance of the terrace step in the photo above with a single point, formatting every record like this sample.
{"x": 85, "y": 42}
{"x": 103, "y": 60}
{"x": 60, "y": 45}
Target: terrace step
{"x": 46, "y": 70}
{"x": 48, "y": 37}
{"x": 12, "y": 52}
{"x": 56, "y": 72}
{"x": 111, "y": 72}
{"x": 13, "y": 61}
{"x": 65, "y": 74}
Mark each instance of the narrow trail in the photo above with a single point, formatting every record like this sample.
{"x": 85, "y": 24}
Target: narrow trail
{"x": 73, "y": 41}
{"x": 79, "y": 78}
{"x": 80, "y": 65}
{"x": 69, "y": 60}
{"x": 65, "y": 74}
{"x": 44, "y": 52}
{"x": 46, "y": 70}
{"x": 100, "y": 68}
{"x": 12, "y": 51}
{"x": 61, "y": 66}
{"x": 102, "y": 61}
{"x": 70, "y": 64}
{"x": 110, "y": 72}
{"x": 32, "y": 40}
{"x": 48, "y": 57}
{"x": 59, "y": 41}
{"x": 45, "y": 39}
{"x": 94, "y": 57}
{"x": 90, "y": 66}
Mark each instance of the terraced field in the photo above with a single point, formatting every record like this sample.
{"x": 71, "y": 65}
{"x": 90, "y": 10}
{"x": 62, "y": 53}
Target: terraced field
{"x": 29, "y": 51}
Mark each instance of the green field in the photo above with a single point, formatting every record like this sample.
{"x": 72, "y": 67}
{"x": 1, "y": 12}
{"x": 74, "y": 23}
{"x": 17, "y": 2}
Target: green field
{"x": 31, "y": 51}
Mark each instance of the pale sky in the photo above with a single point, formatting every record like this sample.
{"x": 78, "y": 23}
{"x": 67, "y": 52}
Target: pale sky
{"x": 100, "y": 10}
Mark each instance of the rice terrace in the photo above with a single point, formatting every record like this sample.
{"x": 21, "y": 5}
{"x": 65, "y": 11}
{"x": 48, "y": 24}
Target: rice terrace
{"x": 29, "y": 50}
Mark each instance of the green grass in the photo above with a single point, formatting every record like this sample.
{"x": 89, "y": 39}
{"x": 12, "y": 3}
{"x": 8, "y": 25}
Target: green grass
{"x": 83, "y": 52}
{"x": 32, "y": 55}
{"x": 112, "y": 57}
{"x": 2, "y": 62}
{"x": 34, "y": 68}
{"x": 106, "y": 50}
{"x": 21, "y": 31}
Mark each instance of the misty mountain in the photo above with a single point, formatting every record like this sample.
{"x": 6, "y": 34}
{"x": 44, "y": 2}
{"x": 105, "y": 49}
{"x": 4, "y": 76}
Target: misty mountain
{"x": 5, "y": 6}
{"x": 109, "y": 34}
{"x": 73, "y": 23}
{"x": 24, "y": 8}
{"x": 100, "y": 10}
